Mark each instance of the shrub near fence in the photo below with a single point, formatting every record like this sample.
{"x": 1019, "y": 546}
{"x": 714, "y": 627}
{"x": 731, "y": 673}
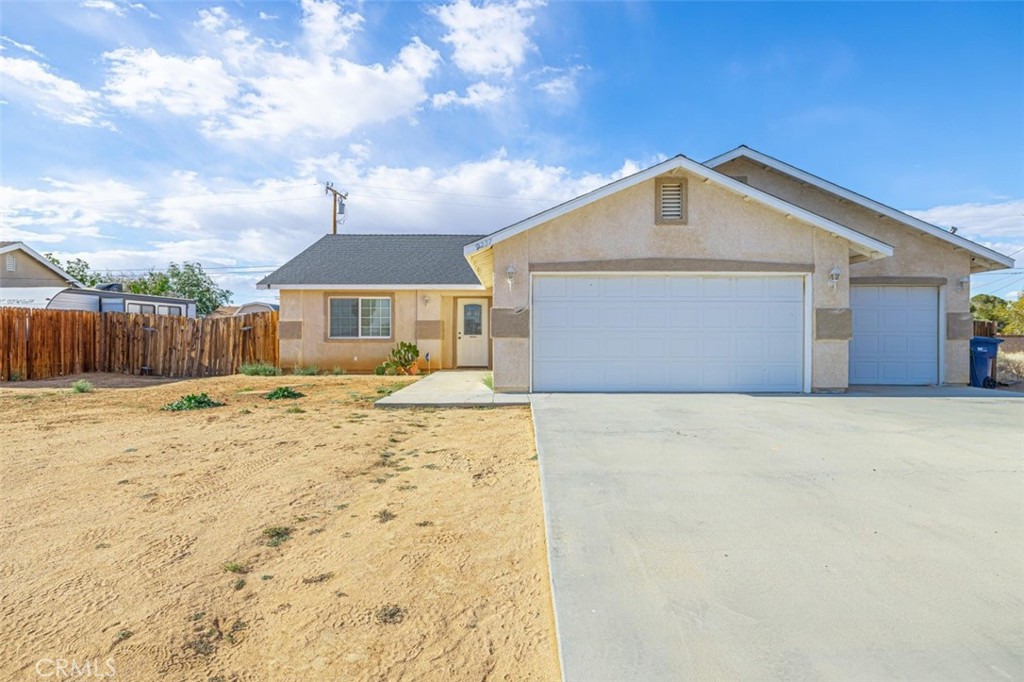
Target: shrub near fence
{"x": 39, "y": 344}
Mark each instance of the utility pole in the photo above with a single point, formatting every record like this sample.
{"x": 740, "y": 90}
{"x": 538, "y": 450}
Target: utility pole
{"x": 339, "y": 201}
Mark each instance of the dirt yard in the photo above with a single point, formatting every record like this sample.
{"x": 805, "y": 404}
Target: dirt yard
{"x": 286, "y": 540}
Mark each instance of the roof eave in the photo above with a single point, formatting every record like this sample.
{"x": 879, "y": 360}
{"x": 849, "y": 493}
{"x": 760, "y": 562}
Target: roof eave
{"x": 984, "y": 252}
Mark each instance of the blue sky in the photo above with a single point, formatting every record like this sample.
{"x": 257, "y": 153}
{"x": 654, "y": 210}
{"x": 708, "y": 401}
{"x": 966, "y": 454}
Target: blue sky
{"x": 137, "y": 133}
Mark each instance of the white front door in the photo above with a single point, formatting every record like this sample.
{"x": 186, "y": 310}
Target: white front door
{"x": 636, "y": 332}
{"x": 471, "y": 336}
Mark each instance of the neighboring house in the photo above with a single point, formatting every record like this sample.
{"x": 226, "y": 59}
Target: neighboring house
{"x": 741, "y": 274}
{"x": 30, "y": 280}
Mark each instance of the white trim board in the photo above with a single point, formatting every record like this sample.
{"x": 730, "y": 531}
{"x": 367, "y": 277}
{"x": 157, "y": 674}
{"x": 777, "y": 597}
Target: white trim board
{"x": 861, "y": 243}
{"x": 861, "y": 200}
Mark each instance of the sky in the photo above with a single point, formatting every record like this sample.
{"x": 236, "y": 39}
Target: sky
{"x": 135, "y": 134}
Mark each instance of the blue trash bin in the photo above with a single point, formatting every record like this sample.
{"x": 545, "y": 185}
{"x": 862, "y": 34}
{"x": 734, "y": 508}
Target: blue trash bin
{"x": 984, "y": 350}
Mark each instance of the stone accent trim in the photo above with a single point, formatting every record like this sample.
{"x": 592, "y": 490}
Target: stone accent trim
{"x": 833, "y": 324}
{"x": 429, "y": 330}
{"x": 671, "y": 265}
{"x": 506, "y": 323}
{"x": 289, "y": 330}
{"x": 900, "y": 281}
{"x": 959, "y": 326}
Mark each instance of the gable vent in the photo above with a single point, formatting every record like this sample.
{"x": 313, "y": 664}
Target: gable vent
{"x": 11, "y": 263}
{"x": 672, "y": 201}
{"x": 671, "y": 194}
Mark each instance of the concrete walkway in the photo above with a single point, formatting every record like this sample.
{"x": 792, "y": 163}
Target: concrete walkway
{"x": 452, "y": 388}
{"x": 874, "y": 536}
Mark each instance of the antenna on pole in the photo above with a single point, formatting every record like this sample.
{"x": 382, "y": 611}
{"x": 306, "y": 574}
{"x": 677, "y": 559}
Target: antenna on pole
{"x": 338, "y": 205}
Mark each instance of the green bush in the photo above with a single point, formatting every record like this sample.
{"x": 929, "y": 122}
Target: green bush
{"x": 259, "y": 369}
{"x": 191, "y": 402}
{"x": 81, "y": 386}
{"x": 282, "y": 393}
{"x": 339, "y": 371}
{"x": 307, "y": 371}
{"x": 380, "y": 370}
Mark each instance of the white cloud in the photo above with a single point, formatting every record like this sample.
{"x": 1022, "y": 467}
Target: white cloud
{"x": 998, "y": 226}
{"x": 118, "y": 7}
{"x": 60, "y": 98}
{"x": 24, "y": 47}
{"x": 267, "y": 17}
{"x": 560, "y": 84}
{"x": 326, "y": 29}
{"x": 183, "y": 86}
{"x": 183, "y": 216}
{"x": 488, "y": 39}
{"x": 477, "y": 96}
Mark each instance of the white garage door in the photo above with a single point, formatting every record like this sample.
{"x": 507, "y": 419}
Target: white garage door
{"x": 895, "y": 335}
{"x": 668, "y": 333}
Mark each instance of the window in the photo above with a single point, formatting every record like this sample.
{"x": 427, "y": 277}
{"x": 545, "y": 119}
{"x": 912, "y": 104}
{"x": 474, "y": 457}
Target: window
{"x": 145, "y": 308}
{"x": 11, "y": 263}
{"x": 671, "y": 201}
{"x": 472, "y": 319}
{"x": 172, "y": 310}
{"x": 360, "y": 318}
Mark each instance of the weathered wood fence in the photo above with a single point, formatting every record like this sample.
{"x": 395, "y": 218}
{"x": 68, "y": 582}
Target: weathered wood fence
{"x": 39, "y": 344}
{"x": 984, "y": 328}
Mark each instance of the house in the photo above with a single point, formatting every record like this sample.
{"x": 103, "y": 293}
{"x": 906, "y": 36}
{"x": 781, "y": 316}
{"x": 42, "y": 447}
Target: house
{"x": 739, "y": 274}
{"x": 30, "y": 280}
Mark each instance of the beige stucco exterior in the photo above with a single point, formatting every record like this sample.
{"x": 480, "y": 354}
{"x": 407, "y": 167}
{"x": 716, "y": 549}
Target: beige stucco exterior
{"x": 421, "y": 316}
{"x": 28, "y": 272}
{"x": 915, "y": 254}
{"x": 722, "y": 228}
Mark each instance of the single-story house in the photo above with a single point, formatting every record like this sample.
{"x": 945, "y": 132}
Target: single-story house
{"x": 739, "y": 274}
{"x": 30, "y": 280}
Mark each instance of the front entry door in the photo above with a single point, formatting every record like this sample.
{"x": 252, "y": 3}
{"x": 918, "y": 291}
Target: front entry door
{"x": 471, "y": 334}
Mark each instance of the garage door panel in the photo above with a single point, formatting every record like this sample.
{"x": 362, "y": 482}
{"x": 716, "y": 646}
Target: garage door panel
{"x": 658, "y": 333}
{"x": 895, "y": 335}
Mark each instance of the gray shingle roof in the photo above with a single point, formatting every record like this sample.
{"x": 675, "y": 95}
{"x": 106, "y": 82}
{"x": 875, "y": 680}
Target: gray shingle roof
{"x": 354, "y": 259}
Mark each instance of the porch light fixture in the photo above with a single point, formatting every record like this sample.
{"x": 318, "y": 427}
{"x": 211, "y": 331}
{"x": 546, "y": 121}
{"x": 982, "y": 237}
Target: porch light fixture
{"x": 426, "y": 300}
{"x": 963, "y": 283}
{"x": 510, "y": 275}
{"x": 833, "y": 277}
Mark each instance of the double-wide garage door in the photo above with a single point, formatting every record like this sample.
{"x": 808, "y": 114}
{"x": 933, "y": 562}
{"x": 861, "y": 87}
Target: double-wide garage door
{"x": 668, "y": 333}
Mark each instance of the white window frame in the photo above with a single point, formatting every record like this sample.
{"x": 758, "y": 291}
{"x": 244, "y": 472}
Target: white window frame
{"x": 129, "y": 304}
{"x": 359, "y": 317}
{"x": 165, "y": 309}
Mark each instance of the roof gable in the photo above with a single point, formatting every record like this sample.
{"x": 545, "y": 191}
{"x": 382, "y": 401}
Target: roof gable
{"x": 8, "y": 247}
{"x": 378, "y": 261}
{"x": 863, "y": 244}
{"x": 745, "y": 152}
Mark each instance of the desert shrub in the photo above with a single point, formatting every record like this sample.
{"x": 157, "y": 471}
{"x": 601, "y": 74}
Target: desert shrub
{"x": 275, "y": 535}
{"x": 308, "y": 370}
{"x": 402, "y": 358}
{"x": 339, "y": 371}
{"x": 259, "y": 369}
{"x": 283, "y": 393}
{"x": 380, "y": 370}
{"x": 191, "y": 401}
{"x": 81, "y": 386}
{"x": 1011, "y": 366}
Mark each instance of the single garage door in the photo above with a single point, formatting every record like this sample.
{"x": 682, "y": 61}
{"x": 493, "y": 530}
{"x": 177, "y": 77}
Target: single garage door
{"x": 668, "y": 333}
{"x": 895, "y": 335}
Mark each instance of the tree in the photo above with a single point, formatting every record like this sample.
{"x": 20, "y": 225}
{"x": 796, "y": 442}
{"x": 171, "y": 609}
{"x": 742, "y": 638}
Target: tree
{"x": 77, "y": 268}
{"x": 1015, "y": 317}
{"x": 989, "y": 307}
{"x": 187, "y": 280}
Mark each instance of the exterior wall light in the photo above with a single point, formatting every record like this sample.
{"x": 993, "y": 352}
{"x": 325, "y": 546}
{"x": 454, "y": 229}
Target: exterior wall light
{"x": 963, "y": 284}
{"x": 833, "y": 277}
{"x": 510, "y": 275}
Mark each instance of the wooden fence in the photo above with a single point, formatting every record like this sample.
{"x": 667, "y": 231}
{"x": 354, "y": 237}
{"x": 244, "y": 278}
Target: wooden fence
{"x": 984, "y": 328}
{"x": 39, "y": 344}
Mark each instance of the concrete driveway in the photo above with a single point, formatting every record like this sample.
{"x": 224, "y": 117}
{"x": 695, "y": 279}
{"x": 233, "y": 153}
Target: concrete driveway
{"x": 733, "y": 537}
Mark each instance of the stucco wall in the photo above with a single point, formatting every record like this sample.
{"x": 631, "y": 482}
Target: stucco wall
{"x": 915, "y": 254}
{"x": 28, "y": 272}
{"x": 721, "y": 226}
{"x": 304, "y": 329}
